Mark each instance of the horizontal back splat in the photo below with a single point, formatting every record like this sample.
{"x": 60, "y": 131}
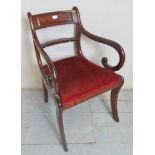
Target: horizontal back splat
{"x": 54, "y": 18}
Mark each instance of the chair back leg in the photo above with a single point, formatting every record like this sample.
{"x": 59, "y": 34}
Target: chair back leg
{"x": 45, "y": 92}
{"x": 59, "y": 113}
{"x": 114, "y": 98}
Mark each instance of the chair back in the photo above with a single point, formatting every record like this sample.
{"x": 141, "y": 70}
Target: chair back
{"x": 44, "y": 20}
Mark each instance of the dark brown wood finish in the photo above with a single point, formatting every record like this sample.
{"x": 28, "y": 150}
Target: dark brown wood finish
{"x": 57, "y": 41}
{"x": 45, "y": 92}
{"x": 114, "y": 96}
{"x": 53, "y": 19}
{"x": 50, "y": 83}
{"x": 111, "y": 43}
{"x": 59, "y": 113}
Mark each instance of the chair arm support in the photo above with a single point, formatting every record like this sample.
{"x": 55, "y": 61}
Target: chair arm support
{"x": 50, "y": 64}
{"x": 111, "y": 43}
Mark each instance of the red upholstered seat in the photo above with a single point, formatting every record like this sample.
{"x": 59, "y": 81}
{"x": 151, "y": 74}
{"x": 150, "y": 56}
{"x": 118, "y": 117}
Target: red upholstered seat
{"x": 79, "y": 78}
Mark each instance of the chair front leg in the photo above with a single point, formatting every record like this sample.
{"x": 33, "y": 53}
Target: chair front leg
{"x": 45, "y": 92}
{"x": 114, "y": 98}
{"x": 59, "y": 113}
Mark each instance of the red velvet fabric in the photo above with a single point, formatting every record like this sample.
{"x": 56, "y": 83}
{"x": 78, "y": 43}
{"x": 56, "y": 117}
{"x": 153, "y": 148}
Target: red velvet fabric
{"x": 79, "y": 78}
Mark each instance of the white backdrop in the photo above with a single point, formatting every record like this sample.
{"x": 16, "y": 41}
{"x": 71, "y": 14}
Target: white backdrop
{"x": 107, "y": 18}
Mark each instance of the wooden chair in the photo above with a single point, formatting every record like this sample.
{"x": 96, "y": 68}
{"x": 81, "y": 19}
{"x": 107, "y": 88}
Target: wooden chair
{"x": 74, "y": 79}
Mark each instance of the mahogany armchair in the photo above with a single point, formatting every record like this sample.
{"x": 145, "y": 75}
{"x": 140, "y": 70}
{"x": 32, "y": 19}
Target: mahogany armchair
{"x": 73, "y": 80}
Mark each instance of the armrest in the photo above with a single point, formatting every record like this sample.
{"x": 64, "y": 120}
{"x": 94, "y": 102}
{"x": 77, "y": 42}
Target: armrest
{"x": 53, "y": 74}
{"x": 111, "y": 43}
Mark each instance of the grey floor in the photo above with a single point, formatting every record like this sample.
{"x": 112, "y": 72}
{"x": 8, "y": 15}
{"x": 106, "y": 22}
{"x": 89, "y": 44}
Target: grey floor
{"x": 89, "y": 126}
